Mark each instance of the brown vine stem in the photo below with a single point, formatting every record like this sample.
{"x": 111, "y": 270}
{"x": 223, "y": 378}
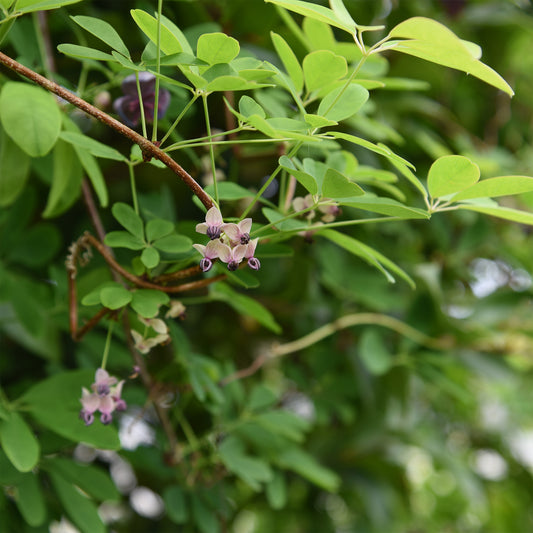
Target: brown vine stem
{"x": 147, "y": 147}
{"x": 356, "y": 319}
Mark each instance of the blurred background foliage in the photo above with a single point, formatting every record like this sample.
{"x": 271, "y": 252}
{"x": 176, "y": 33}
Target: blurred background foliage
{"x": 412, "y": 438}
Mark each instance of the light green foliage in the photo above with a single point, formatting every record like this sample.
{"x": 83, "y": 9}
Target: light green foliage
{"x": 340, "y": 378}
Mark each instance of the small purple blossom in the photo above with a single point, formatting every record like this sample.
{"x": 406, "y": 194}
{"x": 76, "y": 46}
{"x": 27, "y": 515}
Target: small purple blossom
{"x": 212, "y": 227}
{"x": 105, "y": 398}
{"x": 209, "y": 253}
{"x": 232, "y": 256}
{"x": 128, "y": 107}
{"x": 253, "y": 262}
{"x": 238, "y": 233}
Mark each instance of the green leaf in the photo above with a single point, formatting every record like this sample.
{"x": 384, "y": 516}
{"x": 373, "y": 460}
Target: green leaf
{"x": 54, "y": 403}
{"x": 19, "y": 442}
{"x": 115, "y": 297}
{"x": 84, "y": 52}
{"x": 150, "y": 257}
{"x": 336, "y": 185}
{"x": 157, "y": 228}
{"x": 30, "y": 116}
{"x": 146, "y": 302}
{"x": 27, "y": 6}
{"x": 450, "y": 174}
{"x": 318, "y": 121}
{"x": 103, "y": 31}
{"x": 30, "y": 501}
{"x": 175, "y": 504}
{"x": 276, "y": 491}
{"x": 285, "y": 423}
{"x": 228, "y": 190}
{"x": 494, "y": 187}
{"x": 246, "y": 306}
{"x": 322, "y": 67}
{"x": 289, "y": 60}
{"x": 205, "y": 518}
{"x": 342, "y": 103}
{"x": 66, "y": 180}
{"x": 515, "y": 215}
{"x": 14, "y": 170}
{"x": 385, "y": 206}
{"x": 173, "y": 244}
{"x": 92, "y": 146}
{"x": 373, "y": 257}
{"x": 317, "y": 12}
{"x": 251, "y": 470}
{"x": 374, "y": 353}
{"x": 92, "y": 480}
{"x": 308, "y": 181}
{"x": 248, "y": 106}
{"x": 129, "y": 219}
{"x": 79, "y": 509}
{"x": 380, "y": 149}
{"x": 123, "y": 239}
{"x": 216, "y": 48}
{"x": 306, "y": 465}
{"x": 170, "y": 43}
{"x": 89, "y": 163}
{"x": 432, "y": 41}
{"x": 37, "y": 249}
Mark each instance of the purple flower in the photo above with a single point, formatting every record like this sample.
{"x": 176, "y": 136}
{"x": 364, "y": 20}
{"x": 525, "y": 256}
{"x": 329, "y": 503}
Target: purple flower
{"x": 105, "y": 398}
{"x": 209, "y": 253}
{"x": 232, "y": 256}
{"x": 212, "y": 227}
{"x": 253, "y": 262}
{"x": 238, "y": 233}
{"x": 128, "y": 107}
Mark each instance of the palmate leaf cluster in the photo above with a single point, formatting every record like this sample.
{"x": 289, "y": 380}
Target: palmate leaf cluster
{"x": 374, "y": 374}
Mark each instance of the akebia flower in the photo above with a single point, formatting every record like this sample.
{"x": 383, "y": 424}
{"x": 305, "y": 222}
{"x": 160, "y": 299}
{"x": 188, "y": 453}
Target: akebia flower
{"x": 229, "y": 242}
{"x": 128, "y": 106}
{"x": 210, "y": 252}
{"x": 238, "y": 233}
{"x": 105, "y": 398}
{"x": 212, "y": 227}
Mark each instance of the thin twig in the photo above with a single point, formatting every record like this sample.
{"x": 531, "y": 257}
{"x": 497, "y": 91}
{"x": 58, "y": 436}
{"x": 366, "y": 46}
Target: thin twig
{"x": 147, "y": 147}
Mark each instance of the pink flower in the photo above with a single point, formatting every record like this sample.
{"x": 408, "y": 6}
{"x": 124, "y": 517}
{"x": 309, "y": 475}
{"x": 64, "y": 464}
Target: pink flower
{"x": 238, "y": 233}
{"x": 106, "y": 398}
{"x": 253, "y": 262}
{"x": 232, "y": 256}
{"x": 212, "y": 226}
{"x": 209, "y": 253}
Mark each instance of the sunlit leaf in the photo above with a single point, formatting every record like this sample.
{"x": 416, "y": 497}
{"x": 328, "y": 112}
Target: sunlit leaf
{"x": 450, "y": 174}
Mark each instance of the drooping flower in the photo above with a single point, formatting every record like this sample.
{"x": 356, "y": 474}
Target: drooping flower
{"x": 330, "y": 212}
{"x": 238, "y": 233}
{"x": 301, "y": 203}
{"x": 128, "y": 106}
{"x": 253, "y": 262}
{"x": 176, "y": 310}
{"x": 105, "y": 398}
{"x": 212, "y": 227}
{"x": 210, "y": 252}
{"x": 232, "y": 256}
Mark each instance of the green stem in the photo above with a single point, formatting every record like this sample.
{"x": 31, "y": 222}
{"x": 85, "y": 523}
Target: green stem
{"x": 194, "y": 444}
{"x": 176, "y": 122}
{"x": 158, "y": 68}
{"x": 293, "y": 152}
{"x": 107, "y": 345}
{"x": 197, "y": 142}
{"x": 133, "y": 186}
{"x": 211, "y": 149}
{"x": 141, "y": 105}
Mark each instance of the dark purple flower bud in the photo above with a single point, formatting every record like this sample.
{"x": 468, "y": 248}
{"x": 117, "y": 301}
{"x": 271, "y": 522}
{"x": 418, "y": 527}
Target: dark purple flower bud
{"x": 120, "y": 404}
{"x": 206, "y": 264}
{"x": 128, "y": 107}
{"x": 213, "y": 232}
{"x": 87, "y": 417}
{"x": 254, "y": 263}
{"x": 106, "y": 418}
{"x": 102, "y": 389}
{"x": 245, "y": 238}
{"x": 233, "y": 265}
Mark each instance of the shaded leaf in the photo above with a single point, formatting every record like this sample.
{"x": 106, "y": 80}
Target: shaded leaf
{"x": 103, "y": 31}
{"x": 14, "y": 170}
{"x": 19, "y": 442}
{"x": 84, "y": 52}
{"x": 336, "y": 185}
{"x": 129, "y": 219}
{"x": 30, "y": 501}
{"x": 146, "y": 302}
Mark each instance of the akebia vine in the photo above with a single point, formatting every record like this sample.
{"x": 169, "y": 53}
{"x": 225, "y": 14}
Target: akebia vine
{"x": 145, "y": 270}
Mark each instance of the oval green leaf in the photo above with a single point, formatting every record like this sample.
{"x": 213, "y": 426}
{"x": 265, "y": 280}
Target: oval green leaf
{"x": 129, "y": 219}
{"x": 321, "y": 68}
{"x": 30, "y": 116}
{"x": 336, "y": 185}
{"x": 150, "y": 257}
{"x": 216, "y": 48}
{"x": 494, "y": 187}
{"x": 146, "y": 302}
{"x": 450, "y": 174}
{"x": 115, "y": 297}
{"x": 342, "y": 103}
{"x": 19, "y": 443}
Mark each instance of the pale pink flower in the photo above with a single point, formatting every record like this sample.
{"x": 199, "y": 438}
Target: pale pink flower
{"x": 209, "y": 252}
{"x": 232, "y": 256}
{"x": 212, "y": 225}
{"x": 253, "y": 262}
{"x": 238, "y": 233}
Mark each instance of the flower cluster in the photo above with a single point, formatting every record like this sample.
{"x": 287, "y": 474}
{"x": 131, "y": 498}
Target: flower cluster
{"x": 229, "y": 242}
{"x": 128, "y": 106}
{"x": 330, "y": 211}
{"x": 105, "y": 397}
{"x": 145, "y": 343}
